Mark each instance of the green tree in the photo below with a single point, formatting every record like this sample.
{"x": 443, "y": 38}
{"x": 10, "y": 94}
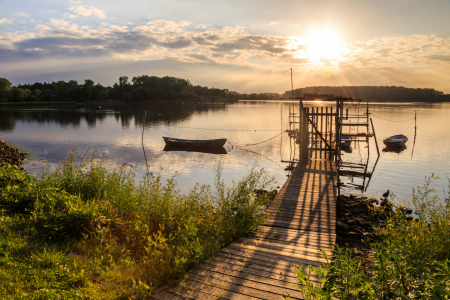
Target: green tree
{"x": 20, "y": 95}
{"x": 5, "y": 86}
{"x": 88, "y": 90}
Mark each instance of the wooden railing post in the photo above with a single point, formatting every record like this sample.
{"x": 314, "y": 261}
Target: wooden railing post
{"x": 305, "y": 133}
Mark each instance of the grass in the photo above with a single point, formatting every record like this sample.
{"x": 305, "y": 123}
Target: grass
{"x": 410, "y": 260}
{"x": 92, "y": 232}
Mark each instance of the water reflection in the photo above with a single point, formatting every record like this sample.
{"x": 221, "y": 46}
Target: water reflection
{"x": 125, "y": 114}
{"x": 394, "y": 149}
{"x": 116, "y": 130}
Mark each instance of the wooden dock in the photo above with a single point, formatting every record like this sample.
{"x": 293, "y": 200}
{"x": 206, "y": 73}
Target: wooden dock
{"x": 301, "y": 222}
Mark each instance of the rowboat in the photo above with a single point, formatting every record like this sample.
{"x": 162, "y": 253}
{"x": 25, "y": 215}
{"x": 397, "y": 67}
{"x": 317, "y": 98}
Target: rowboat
{"x": 208, "y": 150}
{"x": 194, "y": 143}
{"x": 395, "y": 140}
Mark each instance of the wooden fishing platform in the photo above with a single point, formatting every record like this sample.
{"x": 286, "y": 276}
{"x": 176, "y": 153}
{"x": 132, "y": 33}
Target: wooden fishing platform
{"x": 301, "y": 221}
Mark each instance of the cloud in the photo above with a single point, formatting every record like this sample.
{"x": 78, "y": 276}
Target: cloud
{"x": 22, "y": 14}
{"x": 86, "y": 11}
{"x": 273, "y": 23}
{"x": 388, "y": 59}
{"x": 440, "y": 57}
{"x": 6, "y": 21}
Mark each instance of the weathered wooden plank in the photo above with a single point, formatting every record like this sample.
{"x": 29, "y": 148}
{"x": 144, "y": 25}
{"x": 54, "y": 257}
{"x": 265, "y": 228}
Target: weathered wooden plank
{"x": 191, "y": 293}
{"x": 326, "y": 225}
{"x": 244, "y": 286}
{"x": 296, "y": 216}
{"x": 218, "y": 292}
{"x": 291, "y": 232}
{"x": 226, "y": 287}
{"x": 296, "y": 243}
{"x": 260, "y": 264}
{"x": 305, "y": 255}
{"x": 275, "y": 245}
{"x": 270, "y": 256}
{"x": 302, "y": 227}
{"x": 243, "y": 271}
{"x": 277, "y": 231}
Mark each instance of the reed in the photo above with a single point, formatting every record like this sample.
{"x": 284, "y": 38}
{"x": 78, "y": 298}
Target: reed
{"x": 92, "y": 231}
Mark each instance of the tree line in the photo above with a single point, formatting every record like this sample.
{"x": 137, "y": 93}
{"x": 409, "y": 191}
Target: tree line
{"x": 375, "y": 93}
{"x": 140, "y": 88}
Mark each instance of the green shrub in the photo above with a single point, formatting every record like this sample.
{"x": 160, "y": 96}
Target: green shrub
{"x": 127, "y": 238}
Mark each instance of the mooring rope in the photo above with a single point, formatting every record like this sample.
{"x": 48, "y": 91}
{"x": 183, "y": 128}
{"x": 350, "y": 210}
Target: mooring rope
{"x": 408, "y": 126}
{"x": 163, "y": 131}
{"x": 390, "y": 120}
{"x": 246, "y": 145}
{"x": 221, "y": 129}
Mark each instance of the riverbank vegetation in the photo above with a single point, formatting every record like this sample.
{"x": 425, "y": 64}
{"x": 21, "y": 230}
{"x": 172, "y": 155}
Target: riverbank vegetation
{"x": 91, "y": 231}
{"x": 407, "y": 258}
{"x": 376, "y": 93}
{"x": 139, "y": 88}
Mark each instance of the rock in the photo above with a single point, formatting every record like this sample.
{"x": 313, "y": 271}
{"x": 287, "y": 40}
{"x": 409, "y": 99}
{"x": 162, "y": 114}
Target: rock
{"x": 359, "y": 221}
{"x": 342, "y": 226}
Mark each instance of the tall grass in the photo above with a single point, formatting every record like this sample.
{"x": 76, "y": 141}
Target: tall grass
{"x": 411, "y": 259}
{"x": 116, "y": 237}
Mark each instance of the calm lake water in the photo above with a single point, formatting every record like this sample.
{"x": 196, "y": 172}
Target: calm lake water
{"x": 115, "y": 130}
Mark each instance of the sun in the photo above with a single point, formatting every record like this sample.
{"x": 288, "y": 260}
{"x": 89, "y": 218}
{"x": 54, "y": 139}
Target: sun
{"x": 322, "y": 45}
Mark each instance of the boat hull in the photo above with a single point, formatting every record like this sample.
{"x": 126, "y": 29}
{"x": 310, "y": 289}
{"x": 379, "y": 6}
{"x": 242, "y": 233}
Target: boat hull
{"x": 346, "y": 141}
{"x": 395, "y": 141}
{"x": 194, "y": 143}
{"x": 209, "y": 150}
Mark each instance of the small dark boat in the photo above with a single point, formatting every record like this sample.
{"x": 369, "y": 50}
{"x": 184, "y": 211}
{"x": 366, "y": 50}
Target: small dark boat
{"x": 194, "y": 143}
{"x": 395, "y": 140}
{"x": 346, "y": 141}
{"x": 208, "y": 150}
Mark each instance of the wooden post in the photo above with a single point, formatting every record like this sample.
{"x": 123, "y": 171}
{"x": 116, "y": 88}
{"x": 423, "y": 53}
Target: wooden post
{"x": 321, "y": 130}
{"x": 375, "y": 136}
{"x": 341, "y": 110}
{"x": 415, "y": 119}
{"x": 367, "y": 113}
{"x": 331, "y": 129}
{"x": 336, "y": 133}
{"x": 326, "y": 127}
{"x": 301, "y": 116}
{"x": 305, "y": 134}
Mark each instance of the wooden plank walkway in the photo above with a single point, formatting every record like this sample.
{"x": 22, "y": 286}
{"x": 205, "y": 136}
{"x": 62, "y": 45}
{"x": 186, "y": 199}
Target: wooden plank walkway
{"x": 301, "y": 222}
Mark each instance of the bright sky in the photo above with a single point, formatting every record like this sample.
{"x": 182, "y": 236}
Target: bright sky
{"x": 246, "y": 45}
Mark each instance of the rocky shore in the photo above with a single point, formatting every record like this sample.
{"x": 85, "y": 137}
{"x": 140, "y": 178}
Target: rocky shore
{"x": 357, "y": 224}
{"x": 10, "y": 155}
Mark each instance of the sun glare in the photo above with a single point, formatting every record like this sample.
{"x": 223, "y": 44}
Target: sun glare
{"x": 322, "y": 45}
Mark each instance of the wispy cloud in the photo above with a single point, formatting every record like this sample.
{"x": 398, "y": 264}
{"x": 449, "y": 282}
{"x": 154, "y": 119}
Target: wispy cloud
{"x": 21, "y": 13}
{"x": 440, "y": 57}
{"x": 6, "y": 21}
{"x": 86, "y": 11}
